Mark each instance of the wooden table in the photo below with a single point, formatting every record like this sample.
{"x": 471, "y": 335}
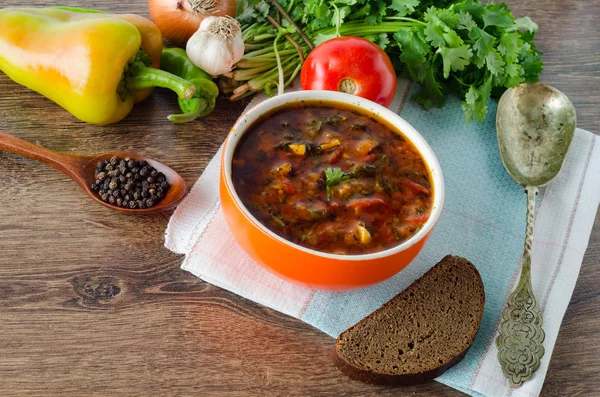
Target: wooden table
{"x": 91, "y": 303}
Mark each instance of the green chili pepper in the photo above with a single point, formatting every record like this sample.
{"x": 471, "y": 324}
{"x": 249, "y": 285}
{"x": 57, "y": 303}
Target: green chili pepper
{"x": 176, "y": 61}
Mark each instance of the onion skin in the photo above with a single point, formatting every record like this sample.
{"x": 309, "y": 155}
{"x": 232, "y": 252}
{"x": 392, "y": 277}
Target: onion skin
{"x": 177, "y": 20}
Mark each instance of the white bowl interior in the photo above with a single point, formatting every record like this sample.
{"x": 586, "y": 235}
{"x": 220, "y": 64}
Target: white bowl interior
{"x": 366, "y": 107}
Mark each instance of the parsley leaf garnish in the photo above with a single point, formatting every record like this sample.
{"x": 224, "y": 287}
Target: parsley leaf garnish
{"x": 455, "y": 58}
{"x": 334, "y": 176}
{"x": 404, "y": 7}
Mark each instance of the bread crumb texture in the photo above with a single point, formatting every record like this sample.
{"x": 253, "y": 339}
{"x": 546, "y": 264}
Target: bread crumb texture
{"x": 424, "y": 327}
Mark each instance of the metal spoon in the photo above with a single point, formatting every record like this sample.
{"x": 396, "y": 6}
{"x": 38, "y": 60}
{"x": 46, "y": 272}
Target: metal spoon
{"x": 82, "y": 170}
{"x": 535, "y": 124}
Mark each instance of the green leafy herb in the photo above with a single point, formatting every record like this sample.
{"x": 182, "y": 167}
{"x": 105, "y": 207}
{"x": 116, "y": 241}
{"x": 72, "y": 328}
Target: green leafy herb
{"x": 314, "y": 125}
{"x": 363, "y": 170}
{"x": 277, "y": 220}
{"x": 455, "y": 58}
{"x": 404, "y": 7}
{"x": 463, "y": 47}
{"x": 334, "y": 176}
{"x": 335, "y": 120}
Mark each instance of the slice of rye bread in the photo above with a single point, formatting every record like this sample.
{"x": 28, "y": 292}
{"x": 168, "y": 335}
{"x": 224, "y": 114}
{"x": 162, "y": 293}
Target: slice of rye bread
{"x": 419, "y": 333}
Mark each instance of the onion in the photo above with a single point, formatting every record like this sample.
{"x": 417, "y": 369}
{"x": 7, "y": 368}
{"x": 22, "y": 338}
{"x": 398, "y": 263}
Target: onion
{"x": 178, "y": 20}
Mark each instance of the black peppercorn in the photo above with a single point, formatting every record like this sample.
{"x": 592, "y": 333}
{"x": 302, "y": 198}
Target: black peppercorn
{"x": 129, "y": 183}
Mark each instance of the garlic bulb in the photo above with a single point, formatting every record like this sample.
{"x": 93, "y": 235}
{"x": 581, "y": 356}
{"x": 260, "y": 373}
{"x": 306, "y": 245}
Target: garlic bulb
{"x": 217, "y": 45}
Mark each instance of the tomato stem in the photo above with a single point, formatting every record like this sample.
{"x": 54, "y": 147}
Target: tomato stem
{"x": 347, "y": 85}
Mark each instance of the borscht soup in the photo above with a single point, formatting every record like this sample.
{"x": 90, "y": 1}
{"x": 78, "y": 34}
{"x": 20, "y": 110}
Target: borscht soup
{"x": 332, "y": 179}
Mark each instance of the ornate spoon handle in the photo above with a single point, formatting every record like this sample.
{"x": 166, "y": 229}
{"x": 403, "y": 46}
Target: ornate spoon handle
{"x": 520, "y": 347}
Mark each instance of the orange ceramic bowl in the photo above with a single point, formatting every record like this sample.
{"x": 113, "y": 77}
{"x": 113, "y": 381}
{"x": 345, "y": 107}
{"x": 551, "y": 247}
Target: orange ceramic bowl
{"x": 309, "y": 267}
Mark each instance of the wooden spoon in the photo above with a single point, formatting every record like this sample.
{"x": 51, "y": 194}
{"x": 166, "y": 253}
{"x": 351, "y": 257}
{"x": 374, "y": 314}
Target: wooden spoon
{"x": 82, "y": 170}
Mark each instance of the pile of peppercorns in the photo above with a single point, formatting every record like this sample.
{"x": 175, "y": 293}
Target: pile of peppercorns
{"x": 129, "y": 183}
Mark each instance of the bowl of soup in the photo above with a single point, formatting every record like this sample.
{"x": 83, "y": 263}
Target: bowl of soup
{"x": 329, "y": 190}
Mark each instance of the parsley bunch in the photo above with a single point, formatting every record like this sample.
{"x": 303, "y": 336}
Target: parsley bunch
{"x": 465, "y": 47}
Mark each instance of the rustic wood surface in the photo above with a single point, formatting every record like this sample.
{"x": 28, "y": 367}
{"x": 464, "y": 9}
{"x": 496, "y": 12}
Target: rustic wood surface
{"x": 91, "y": 303}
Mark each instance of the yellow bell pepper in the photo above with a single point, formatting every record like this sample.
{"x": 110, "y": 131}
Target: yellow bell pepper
{"x": 95, "y": 65}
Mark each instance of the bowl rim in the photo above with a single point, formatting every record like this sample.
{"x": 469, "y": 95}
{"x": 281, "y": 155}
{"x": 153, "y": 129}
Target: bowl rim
{"x": 364, "y": 106}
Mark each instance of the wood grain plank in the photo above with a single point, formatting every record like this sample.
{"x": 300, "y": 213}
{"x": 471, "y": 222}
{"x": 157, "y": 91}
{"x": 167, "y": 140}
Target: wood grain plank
{"x": 91, "y": 303}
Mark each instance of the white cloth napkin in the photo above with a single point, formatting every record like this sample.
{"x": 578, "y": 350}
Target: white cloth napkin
{"x": 483, "y": 220}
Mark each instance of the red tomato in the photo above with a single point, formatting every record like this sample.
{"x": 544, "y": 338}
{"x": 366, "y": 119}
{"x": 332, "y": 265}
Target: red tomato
{"x": 368, "y": 205}
{"x": 353, "y": 65}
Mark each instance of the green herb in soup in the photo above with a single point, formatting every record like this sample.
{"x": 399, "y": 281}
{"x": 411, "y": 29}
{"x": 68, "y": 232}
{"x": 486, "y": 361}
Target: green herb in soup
{"x": 332, "y": 179}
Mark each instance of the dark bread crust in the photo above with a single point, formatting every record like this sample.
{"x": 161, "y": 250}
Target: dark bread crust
{"x": 377, "y": 378}
{"x": 382, "y": 378}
